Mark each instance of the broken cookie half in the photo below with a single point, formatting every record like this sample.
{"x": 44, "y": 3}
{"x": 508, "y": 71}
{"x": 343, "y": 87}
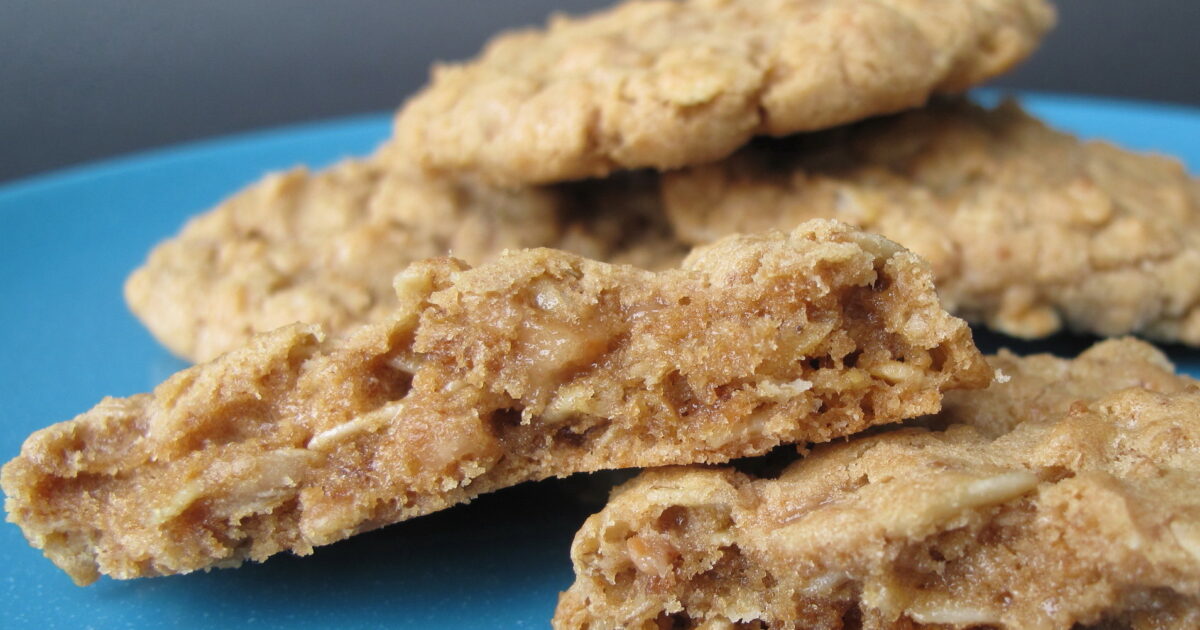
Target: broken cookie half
{"x": 1067, "y": 493}
{"x": 538, "y": 364}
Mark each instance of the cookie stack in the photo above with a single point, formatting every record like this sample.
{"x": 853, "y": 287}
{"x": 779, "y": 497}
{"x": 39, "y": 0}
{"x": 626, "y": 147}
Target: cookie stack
{"x": 647, "y": 238}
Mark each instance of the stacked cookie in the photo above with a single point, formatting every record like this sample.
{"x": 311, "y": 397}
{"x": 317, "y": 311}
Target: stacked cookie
{"x": 774, "y": 136}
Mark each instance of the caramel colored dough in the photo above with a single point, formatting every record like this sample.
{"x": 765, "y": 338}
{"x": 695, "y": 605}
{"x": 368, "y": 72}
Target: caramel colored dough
{"x": 1069, "y": 494}
{"x": 665, "y": 84}
{"x": 1028, "y": 230}
{"x": 539, "y": 364}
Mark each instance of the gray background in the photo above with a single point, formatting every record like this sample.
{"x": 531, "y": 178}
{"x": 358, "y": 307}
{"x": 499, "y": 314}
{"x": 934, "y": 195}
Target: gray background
{"x": 86, "y": 79}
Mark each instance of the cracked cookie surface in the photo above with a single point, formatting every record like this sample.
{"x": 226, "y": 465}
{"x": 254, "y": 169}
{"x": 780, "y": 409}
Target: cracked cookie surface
{"x": 1028, "y": 230}
{"x": 538, "y": 364}
{"x": 322, "y": 247}
{"x": 1066, "y": 493}
{"x": 664, "y": 84}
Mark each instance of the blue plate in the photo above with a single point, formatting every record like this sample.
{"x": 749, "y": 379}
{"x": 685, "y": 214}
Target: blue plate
{"x": 67, "y": 241}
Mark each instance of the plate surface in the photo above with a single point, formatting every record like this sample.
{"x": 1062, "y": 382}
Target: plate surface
{"x": 67, "y": 241}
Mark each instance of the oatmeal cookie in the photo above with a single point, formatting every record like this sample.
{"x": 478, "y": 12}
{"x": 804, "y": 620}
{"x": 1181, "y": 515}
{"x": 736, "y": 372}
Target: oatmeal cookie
{"x": 322, "y": 247}
{"x": 1067, "y": 493}
{"x": 538, "y": 364}
{"x": 666, "y": 83}
{"x": 1028, "y": 230}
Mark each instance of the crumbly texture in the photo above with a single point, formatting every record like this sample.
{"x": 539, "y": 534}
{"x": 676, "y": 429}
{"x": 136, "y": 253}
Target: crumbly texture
{"x": 541, "y": 363}
{"x": 665, "y": 83}
{"x": 322, "y": 247}
{"x": 1028, "y": 230}
{"x": 1067, "y": 493}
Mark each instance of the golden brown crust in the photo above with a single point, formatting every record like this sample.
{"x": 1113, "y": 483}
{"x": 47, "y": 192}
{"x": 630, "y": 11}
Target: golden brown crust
{"x": 1028, "y": 230}
{"x": 541, "y": 363}
{"x": 665, "y": 84}
{"x": 1069, "y": 496}
{"x": 322, "y": 247}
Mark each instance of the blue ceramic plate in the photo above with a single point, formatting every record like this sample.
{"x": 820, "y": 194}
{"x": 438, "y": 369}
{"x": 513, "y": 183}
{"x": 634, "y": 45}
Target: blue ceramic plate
{"x": 67, "y": 241}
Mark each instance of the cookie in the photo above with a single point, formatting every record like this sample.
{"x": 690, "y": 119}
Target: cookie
{"x": 664, "y": 84}
{"x": 1029, "y": 231}
{"x": 1066, "y": 496}
{"x": 538, "y": 364}
{"x": 322, "y": 247}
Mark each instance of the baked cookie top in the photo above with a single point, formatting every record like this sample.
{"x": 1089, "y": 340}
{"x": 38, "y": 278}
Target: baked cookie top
{"x": 538, "y": 364}
{"x": 1066, "y": 495}
{"x": 322, "y": 247}
{"x": 664, "y": 84}
{"x": 1029, "y": 230}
